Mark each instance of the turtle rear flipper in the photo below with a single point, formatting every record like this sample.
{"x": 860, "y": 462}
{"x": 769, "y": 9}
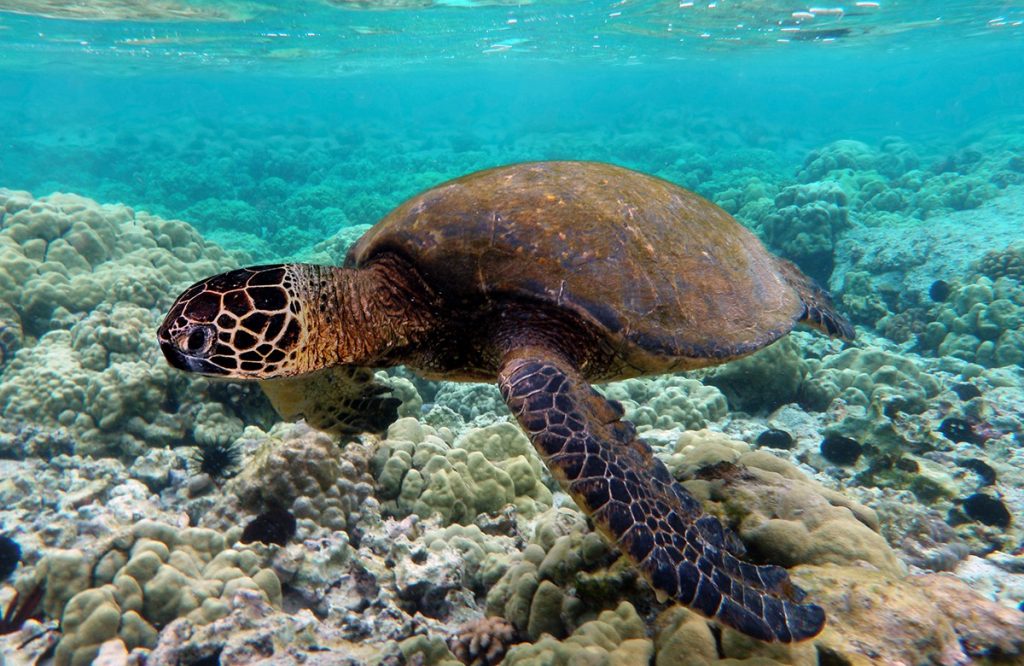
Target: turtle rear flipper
{"x": 341, "y": 399}
{"x": 818, "y": 309}
{"x": 631, "y": 498}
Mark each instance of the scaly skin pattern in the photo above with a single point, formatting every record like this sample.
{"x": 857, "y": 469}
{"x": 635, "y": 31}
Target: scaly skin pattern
{"x": 238, "y": 323}
{"x": 284, "y": 320}
{"x": 633, "y": 500}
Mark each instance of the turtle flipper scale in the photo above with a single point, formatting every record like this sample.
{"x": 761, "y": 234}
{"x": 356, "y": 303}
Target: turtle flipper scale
{"x": 631, "y": 497}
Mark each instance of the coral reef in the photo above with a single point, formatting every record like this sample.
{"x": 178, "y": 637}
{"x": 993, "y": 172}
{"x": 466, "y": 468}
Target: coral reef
{"x": 84, "y": 282}
{"x": 916, "y": 619}
{"x": 838, "y": 557}
{"x": 662, "y": 403}
{"x": 33, "y": 642}
{"x": 805, "y": 225}
{"x": 763, "y": 381}
{"x": 472, "y": 403}
{"x": 1008, "y": 262}
{"x": 781, "y": 515}
{"x": 11, "y": 336}
{"x": 66, "y": 254}
{"x": 295, "y": 469}
{"x": 886, "y": 272}
{"x": 253, "y": 630}
{"x": 868, "y": 377}
{"x": 863, "y": 301}
{"x": 615, "y": 637}
{"x": 547, "y": 580}
{"x": 428, "y": 472}
{"x": 891, "y": 180}
{"x": 668, "y": 402}
{"x": 560, "y": 579}
{"x": 143, "y": 580}
{"x": 982, "y": 322}
{"x": 446, "y": 540}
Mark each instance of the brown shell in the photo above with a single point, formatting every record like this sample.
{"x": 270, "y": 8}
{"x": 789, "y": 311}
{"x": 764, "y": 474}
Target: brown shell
{"x": 656, "y": 266}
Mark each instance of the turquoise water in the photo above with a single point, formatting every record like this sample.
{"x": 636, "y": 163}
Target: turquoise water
{"x": 147, "y": 145}
{"x": 199, "y": 119}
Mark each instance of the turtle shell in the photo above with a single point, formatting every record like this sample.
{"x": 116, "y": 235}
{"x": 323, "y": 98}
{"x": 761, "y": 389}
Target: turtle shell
{"x": 658, "y": 268}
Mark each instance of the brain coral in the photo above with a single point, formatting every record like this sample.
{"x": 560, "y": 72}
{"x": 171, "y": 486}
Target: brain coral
{"x": 83, "y": 285}
{"x": 11, "y": 336}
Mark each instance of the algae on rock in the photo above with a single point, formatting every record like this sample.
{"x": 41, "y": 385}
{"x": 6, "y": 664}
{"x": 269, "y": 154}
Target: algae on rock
{"x": 781, "y": 515}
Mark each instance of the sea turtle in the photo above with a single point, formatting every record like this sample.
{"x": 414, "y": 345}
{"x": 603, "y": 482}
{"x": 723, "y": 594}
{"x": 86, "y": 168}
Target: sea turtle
{"x": 546, "y": 276}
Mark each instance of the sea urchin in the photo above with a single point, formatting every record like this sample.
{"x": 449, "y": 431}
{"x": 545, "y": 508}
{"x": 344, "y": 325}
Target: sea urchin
{"x": 219, "y": 460}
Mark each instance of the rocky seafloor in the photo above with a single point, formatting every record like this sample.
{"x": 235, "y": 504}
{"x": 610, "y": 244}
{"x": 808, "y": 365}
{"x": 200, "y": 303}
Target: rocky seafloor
{"x": 168, "y": 519}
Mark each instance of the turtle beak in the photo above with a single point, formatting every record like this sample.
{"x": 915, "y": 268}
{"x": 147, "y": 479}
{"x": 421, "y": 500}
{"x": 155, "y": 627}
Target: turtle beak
{"x": 178, "y": 359}
{"x": 171, "y": 352}
{"x": 175, "y": 358}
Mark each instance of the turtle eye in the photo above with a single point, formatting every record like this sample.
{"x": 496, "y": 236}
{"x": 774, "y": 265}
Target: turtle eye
{"x": 195, "y": 342}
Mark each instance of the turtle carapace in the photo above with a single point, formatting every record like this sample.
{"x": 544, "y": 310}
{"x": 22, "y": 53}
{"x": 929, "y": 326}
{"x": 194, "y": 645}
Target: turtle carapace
{"x": 545, "y": 277}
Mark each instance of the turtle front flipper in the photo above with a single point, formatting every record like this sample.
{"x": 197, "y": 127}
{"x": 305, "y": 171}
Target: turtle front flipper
{"x": 633, "y": 500}
{"x": 341, "y": 399}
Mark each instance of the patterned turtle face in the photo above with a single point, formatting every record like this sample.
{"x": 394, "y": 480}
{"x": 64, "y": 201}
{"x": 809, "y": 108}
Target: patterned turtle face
{"x": 242, "y": 324}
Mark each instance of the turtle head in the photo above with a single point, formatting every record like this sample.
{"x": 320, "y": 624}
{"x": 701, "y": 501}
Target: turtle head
{"x": 246, "y": 324}
{"x": 292, "y": 319}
